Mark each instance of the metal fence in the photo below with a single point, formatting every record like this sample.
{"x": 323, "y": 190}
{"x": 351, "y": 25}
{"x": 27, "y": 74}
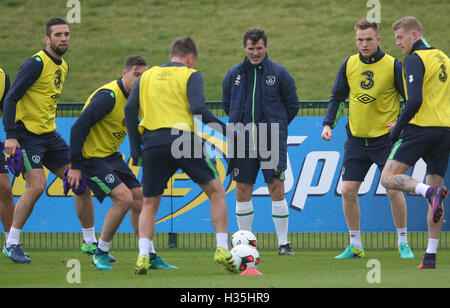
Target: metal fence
{"x": 266, "y": 240}
{"x": 307, "y": 240}
{"x": 306, "y": 109}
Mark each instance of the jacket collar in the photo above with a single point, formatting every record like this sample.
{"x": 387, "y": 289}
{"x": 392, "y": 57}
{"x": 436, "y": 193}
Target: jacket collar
{"x": 420, "y": 45}
{"x": 120, "y": 83}
{"x": 377, "y": 56}
{"x": 248, "y": 64}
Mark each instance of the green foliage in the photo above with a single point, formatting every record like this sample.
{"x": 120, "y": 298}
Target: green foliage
{"x": 310, "y": 38}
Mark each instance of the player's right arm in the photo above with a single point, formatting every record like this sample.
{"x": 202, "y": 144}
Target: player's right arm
{"x": 28, "y": 73}
{"x": 339, "y": 94}
{"x": 414, "y": 73}
{"x": 5, "y": 90}
{"x": 132, "y": 121}
{"x": 101, "y": 104}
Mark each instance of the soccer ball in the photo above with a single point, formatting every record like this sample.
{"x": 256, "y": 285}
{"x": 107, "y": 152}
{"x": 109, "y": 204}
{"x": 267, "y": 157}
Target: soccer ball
{"x": 243, "y": 237}
{"x": 245, "y": 256}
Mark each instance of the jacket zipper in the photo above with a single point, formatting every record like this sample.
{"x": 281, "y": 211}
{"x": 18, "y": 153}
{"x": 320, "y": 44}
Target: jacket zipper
{"x": 253, "y": 110}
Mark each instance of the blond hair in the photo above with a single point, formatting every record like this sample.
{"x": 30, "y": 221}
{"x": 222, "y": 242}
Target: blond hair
{"x": 408, "y": 24}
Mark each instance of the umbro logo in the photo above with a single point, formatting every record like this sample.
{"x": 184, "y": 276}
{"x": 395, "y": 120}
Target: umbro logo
{"x": 366, "y": 99}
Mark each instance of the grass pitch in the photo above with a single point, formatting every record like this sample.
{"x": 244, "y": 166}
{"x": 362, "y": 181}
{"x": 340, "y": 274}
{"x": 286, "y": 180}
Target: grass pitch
{"x": 308, "y": 269}
{"x": 310, "y": 38}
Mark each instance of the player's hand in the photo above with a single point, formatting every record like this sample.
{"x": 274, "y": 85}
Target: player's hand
{"x": 73, "y": 178}
{"x": 395, "y": 135}
{"x": 137, "y": 161}
{"x": 11, "y": 145}
{"x": 327, "y": 133}
{"x": 390, "y": 126}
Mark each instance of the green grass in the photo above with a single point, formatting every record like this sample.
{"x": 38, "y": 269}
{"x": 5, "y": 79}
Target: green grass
{"x": 310, "y": 38}
{"x": 309, "y": 268}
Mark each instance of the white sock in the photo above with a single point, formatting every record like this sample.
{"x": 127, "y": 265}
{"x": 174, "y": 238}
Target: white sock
{"x": 151, "y": 248}
{"x": 89, "y": 235}
{"x": 402, "y": 235}
{"x": 432, "y": 245}
{"x": 280, "y": 217}
{"x": 421, "y": 189}
{"x": 355, "y": 238}
{"x": 6, "y": 236}
{"x": 104, "y": 246}
{"x": 222, "y": 240}
{"x": 145, "y": 245}
{"x": 244, "y": 215}
{"x": 13, "y": 237}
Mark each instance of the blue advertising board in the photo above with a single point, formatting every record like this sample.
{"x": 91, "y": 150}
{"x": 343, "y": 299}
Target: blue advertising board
{"x": 312, "y": 185}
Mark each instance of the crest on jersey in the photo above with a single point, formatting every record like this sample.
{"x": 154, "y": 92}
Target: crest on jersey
{"x": 270, "y": 80}
{"x": 109, "y": 178}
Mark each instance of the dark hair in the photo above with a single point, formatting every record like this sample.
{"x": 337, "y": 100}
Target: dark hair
{"x": 254, "y": 35}
{"x": 53, "y": 22}
{"x": 183, "y": 46}
{"x": 134, "y": 60}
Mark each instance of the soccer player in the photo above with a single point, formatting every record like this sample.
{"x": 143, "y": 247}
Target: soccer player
{"x": 94, "y": 142}
{"x": 166, "y": 98}
{"x": 6, "y": 198}
{"x": 256, "y": 92}
{"x": 29, "y": 121}
{"x": 372, "y": 81}
{"x": 423, "y": 128}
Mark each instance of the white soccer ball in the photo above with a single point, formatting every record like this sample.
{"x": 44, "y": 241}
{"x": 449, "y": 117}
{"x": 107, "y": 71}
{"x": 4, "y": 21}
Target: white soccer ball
{"x": 243, "y": 237}
{"x": 245, "y": 256}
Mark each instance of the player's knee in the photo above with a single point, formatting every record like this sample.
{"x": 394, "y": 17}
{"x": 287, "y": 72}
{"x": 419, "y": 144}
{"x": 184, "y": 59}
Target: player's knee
{"x": 36, "y": 189}
{"x": 349, "y": 193}
{"x": 124, "y": 199}
{"x": 394, "y": 195}
{"x": 243, "y": 192}
{"x": 276, "y": 190}
{"x": 5, "y": 190}
{"x": 137, "y": 202}
{"x": 214, "y": 189}
{"x": 384, "y": 180}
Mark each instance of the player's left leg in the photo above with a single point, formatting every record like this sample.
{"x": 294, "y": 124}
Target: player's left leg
{"x": 434, "y": 229}
{"x": 6, "y": 203}
{"x": 219, "y": 218}
{"x": 280, "y": 213}
{"x": 84, "y": 207}
{"x": 398, "y": 209}
{"x": 394, "y": 177}
{"x": 146, "y": 230}
{"x": 136, "y": 208}
{"x": 156, "y": 262}
{"x": 122, "y": 201}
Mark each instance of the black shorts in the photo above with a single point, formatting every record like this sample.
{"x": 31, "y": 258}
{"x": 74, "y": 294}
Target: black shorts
{"x": 361, "y": 153}
{"x": 159, "y": 165}
{"x": 3, "y": 165}
{"x": 49, "y": 150}
{"x": 432, "y": 144}
{"x": 245, "y": 170}
{"x": 102, "y": 175}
